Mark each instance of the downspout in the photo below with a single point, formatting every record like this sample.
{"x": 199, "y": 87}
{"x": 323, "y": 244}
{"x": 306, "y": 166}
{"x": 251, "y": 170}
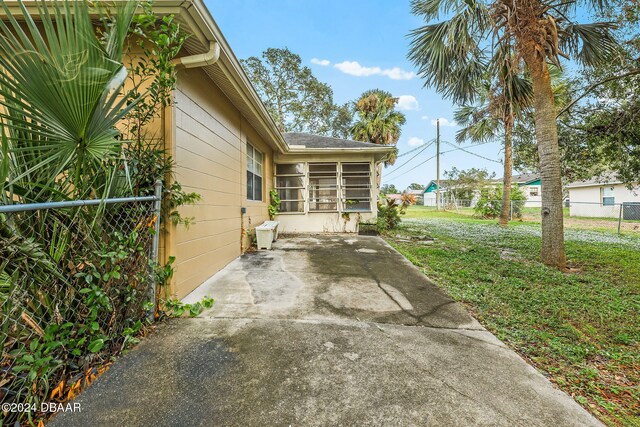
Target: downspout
{"x": 200, "y": 60}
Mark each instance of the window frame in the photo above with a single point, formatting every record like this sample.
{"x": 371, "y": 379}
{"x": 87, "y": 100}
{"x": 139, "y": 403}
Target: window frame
{"x": 303, "y": 188}
{"x": 344, "y": 186}
{"x": 252, "y": 162}
{"x": 334, "y": 187}
{"x": 612, "y": 197}
{"x": 341, "y": 185}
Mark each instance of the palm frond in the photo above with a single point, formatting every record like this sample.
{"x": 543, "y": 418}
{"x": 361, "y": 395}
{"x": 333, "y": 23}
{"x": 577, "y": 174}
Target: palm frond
{"x": 449, "y": 48}
{"x": 590, "y": 43}
{"x": 59, "y": 86}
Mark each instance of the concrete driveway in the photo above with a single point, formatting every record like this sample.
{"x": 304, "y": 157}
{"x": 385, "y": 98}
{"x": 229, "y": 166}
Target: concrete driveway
{"x": 328, "y": 330}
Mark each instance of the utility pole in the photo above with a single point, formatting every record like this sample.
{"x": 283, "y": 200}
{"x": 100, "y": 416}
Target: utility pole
{"x": 438, "y": 164}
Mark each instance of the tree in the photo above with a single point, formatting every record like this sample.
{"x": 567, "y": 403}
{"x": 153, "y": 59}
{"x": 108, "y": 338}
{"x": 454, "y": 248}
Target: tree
{"x": 295, "y": 98}
{"x": 416, "y": 186}
{"x": 389, "y": 189}
{"x": 475, "y": 40}
{"x": 465, "y": 184}
{"x": 497, "y": 107}
{"x": 377, "y": 121}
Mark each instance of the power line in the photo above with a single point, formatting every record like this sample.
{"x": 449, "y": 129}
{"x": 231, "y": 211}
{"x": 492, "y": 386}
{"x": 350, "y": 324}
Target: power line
{"x": 469, "y": 152}
{"x": 414, "y": 156}
{"x": 411, "y": 151}
{"x": 444, "y": 152}
{"x": 420, "y": 164}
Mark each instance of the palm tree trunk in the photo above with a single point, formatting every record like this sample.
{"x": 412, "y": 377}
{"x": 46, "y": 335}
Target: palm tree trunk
{"x": 552, "y": 250}
{"x": 505, "y": 210}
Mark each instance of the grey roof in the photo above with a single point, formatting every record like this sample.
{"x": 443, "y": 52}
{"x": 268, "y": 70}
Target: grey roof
{"x": 524, "y": 178}
{"x": 317, "y": 141}
{"x": 607, "y": 178}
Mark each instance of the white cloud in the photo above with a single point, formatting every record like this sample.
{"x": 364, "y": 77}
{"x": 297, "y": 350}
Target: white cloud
{"x": 408, "y": 102}
{"x": 414, "y": 141}
{"x": 355, "y": 69}
{"x": 444, "y": 122}
{"x": 323, "y": 62}
{"x": 396, "y": 73}
{"x": 424, "y": 117}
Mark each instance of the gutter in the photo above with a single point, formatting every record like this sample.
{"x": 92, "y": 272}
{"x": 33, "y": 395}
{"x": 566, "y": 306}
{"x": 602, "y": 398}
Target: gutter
{"x": 200, "y": 60}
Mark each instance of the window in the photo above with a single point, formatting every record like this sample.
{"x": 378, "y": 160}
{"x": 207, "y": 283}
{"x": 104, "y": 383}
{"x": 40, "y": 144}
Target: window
{"x": 356, "y": 187}
{"x": 323, "y": 187}
{"x": 608, "y": 198}
{"x": 254, "y": 173}
{"x": 290, "y": 187}
{"x": 534, "y": 191}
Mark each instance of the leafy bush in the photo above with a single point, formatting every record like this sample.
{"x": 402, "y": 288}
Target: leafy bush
{"x": 518, "y": 200}
{"x": 490, "y": 202}
{"x": 74, "y": 282}
{"x": 389, "y": 214}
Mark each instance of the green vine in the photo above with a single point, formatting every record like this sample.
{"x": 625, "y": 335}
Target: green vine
{"x": 274, "y": 205}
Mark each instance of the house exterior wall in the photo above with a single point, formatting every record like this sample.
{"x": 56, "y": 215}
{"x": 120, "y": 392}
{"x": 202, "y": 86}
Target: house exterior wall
{"x": 328, "y": 222}
{"x": 429, "y": 199}
{"x": 210, "y": 156}
{"x": 532, "y": 201}
{"x": 587, "y": 201}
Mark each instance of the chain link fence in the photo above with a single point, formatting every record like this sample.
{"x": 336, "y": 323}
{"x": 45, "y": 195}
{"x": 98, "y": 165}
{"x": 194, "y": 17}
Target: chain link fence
{"x": 620, "y": 218}
{"x": 76, "y": 282}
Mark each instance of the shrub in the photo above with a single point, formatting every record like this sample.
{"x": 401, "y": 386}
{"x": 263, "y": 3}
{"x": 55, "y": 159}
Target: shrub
{"x": 389, "y": 215}
{"x": 490, "y": 202}
{"x": 488, "y": 205}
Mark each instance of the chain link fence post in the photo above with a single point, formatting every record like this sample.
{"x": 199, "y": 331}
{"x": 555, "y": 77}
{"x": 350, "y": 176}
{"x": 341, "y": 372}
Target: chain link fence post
{"x": 620, "y": 220}
{"x": 155, "y": 245}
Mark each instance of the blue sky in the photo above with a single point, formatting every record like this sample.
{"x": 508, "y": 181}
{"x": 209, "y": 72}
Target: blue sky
{"x": 357, "y": 45}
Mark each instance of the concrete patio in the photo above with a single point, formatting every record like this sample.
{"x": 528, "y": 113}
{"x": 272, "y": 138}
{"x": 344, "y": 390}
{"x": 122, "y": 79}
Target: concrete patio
{"x": 324, "y": 330}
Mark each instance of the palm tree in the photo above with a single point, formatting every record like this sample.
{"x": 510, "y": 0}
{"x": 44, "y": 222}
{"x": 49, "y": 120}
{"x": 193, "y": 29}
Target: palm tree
{"x": 60, "y": 101}
{"x": 455, "y": 54}
{"x": 377, "y": 120}
{"x": 495, "y": 111}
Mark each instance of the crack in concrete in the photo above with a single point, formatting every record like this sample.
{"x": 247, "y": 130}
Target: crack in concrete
{"x": 344, "y": 321}
{"x": 448, "y": 385}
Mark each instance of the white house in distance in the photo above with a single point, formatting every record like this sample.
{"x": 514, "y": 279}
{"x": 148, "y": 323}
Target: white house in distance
{"x": 429, "y": 194}
{"x": 529, "y": 183}
{"x": 604, "y": 197}
{"x": 531, "y": 186}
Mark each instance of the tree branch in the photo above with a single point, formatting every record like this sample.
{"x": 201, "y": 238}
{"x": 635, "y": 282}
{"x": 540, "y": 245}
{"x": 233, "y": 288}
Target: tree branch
{"x": 595, "y": 85}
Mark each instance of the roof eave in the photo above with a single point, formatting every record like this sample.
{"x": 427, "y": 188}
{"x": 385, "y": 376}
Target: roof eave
{"x": 204, "y": 28}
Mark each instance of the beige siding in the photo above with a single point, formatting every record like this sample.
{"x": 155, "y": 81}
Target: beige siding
{"x": 257, "y": 211}
{"x": 210, "y": 155}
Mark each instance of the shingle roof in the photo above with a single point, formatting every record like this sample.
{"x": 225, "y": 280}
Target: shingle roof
{"x": 607, "y": 178}
{"x": 317, "y": 141}
{"x": 524, "y": 178}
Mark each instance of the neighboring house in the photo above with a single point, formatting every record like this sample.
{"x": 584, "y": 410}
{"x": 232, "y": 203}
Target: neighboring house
{"x": 604, "y": 197}
{"x": 531, "y": 186}
{"x": 430, "y": 192}
{"x": 528, "y": 183}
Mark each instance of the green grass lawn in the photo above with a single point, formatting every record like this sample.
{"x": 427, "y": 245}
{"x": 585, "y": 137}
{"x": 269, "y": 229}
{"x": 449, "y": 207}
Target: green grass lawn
{"x": 581, "y": 328}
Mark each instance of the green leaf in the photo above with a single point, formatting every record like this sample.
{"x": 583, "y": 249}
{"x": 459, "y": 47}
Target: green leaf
{"x": 96, "y": 345}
